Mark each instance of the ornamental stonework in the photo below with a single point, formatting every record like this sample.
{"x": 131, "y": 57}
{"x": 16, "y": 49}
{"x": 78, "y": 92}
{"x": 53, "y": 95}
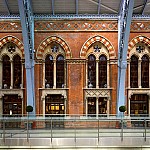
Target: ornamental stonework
{"x": 10, "y": 26}
{"x": 97, "y": 93}
{"x": 76, "y": 25}
{"x": 73, "y": 25}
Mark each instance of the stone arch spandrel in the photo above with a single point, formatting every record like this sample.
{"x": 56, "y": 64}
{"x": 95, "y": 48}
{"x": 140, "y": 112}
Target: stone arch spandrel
{"x": 136, "y": 40}
{"x": 47, "y": 41}
{"x": 100, "y": 39}
{"x": 14, "y": 40}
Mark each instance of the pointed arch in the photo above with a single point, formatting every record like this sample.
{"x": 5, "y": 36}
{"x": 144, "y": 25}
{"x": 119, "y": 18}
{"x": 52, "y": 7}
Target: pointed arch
{"x": 101, "y": 39}
{"x": 136, "y": 40}
{"x": 50, "y": 39}
{"x": 14, "y": 40}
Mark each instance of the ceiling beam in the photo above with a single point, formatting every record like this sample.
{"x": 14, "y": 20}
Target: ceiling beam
{"x": 53, "y": 9}
{"x": 145, "y": 2}
{"x": 7, "y": 7}
{"x": 124, "y": 23}
{"x": 104, "y": 6}
{"x": 77, "y": 7}
{"x": 27, "y": 23}
{"x": 99, "y": 6}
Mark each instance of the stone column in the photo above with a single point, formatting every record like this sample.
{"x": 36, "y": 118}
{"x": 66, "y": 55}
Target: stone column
{"x": 22, "y": 75}
{"x": 86, "y": 75}
{"x": 108, "y": 75}
{"x": 97, "y": 109}
{"x": 139, "y": 74}
{"x": 43, "y": 64}
{"x": 97, "y": 74}
{"x": 86, "y": 106}
{"x": 128, "y": 67}
{"x": 12, "y": 75}
{"x": 1, "y": 74}
{"x": 129, "y": 107}
{"x": 108, "y": 103}
{"x": 54, "y": 86}
{"x": 65, "y": 74}
{"x": 65, "y": 105}
{"x": 149, "y": 74}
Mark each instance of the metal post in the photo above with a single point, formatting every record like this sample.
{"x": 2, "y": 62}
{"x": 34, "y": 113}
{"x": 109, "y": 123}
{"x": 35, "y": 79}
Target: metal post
{"x": 145, "y": 129}
{"x": 98, "y": 129}
{"x": 28, "y": 127}
{"x": 51, "y": 130}
{"x": 4, "y": 130}
{"x": 122, "y": 129}
{"x": 75, "y": 129}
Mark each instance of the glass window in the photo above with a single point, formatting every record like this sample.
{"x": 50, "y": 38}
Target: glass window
{"x": 49, "y": 65}
{"x": 102, "y": 71}
{"x": 60, "y": 72}
{"x": 134, "y": 72}
{"x": 145, "y": 72}
{"x": 6, "y": 72}
{"x": 91, "y": 105}
{"x": 102, "y": 105}
{"x": 91, "y": 71}
{"x": 17, "y": 75}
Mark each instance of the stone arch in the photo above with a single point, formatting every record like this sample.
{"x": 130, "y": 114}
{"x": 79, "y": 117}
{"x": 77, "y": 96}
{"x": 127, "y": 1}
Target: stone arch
{"x": 47, "y": 41}
{"x": 101, "y": 39}
{"x": 136, "y": 40}
{"x": 14, "y": 40}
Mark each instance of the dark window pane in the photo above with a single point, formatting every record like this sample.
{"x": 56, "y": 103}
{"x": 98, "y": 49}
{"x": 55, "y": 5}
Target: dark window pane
{"x": 102, "y": 105}
{"x": 91, "y": 105}
{"x": 102, "y": 71}
{"x": 91, "y": 71}
{"x": 60, "y": 72}
{"x": 134, "y": 72}
{"x": 49, "y": 65}
{"x": 145, "y": 72}
{"x": 6, "y": 72}
{"x": 17, "y": 71}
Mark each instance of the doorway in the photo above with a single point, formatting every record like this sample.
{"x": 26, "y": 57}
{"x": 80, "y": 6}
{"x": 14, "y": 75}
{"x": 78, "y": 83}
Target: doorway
{"x": 139, "y": 107}
{"x": 54, "y": 109}
{"x": 12, "y": 107}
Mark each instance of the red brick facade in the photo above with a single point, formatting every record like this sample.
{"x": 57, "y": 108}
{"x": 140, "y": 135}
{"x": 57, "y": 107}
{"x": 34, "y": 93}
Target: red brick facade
{"x": 75, "y": 38}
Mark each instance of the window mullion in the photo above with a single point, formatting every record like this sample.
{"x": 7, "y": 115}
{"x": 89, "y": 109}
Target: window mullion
{"x": 139, "y": 73}
{"x": 97, "y": 74}
{"x": 1, "y": 72}
{"x": 12, "y": 74}
{"x": 54, "y": 76}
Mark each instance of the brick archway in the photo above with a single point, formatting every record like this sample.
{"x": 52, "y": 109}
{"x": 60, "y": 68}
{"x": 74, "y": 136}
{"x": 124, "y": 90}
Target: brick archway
{"x": 101, "y": 39}
{"x": 47, "y": 41}
{"x": 136, "y": 40}
{"x": 14, "y": 40}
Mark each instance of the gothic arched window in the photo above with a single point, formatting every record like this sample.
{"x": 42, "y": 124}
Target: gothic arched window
{"x": 60, "y": 71}
{"x": 49, "y": 65}
{"x": 91, "y": 71}
{"x": 17, "y": 71}
{"x": 102, "y": 71}
{"x": 134, "y": 72}
{"x": 6, "y": 72}
{"x": 145, "y": 72}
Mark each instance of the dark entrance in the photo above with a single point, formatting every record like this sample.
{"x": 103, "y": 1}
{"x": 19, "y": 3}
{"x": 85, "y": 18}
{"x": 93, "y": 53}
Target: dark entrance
{"x": 12, "y": 107}
{"x": 54, "y": 109}
{"x": 139, "y": 108}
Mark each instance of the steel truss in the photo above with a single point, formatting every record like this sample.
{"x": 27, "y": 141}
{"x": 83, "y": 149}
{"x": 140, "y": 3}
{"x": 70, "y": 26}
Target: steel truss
{"x": 124, "y": 23}
{"x": 27, "y": 23}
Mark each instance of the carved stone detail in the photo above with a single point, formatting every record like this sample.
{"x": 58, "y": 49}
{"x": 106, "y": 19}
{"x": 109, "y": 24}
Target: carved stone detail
{"x": 18, "y": 92}
{"x": 97, "y": 93}
{"x": 45, "y": 92}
